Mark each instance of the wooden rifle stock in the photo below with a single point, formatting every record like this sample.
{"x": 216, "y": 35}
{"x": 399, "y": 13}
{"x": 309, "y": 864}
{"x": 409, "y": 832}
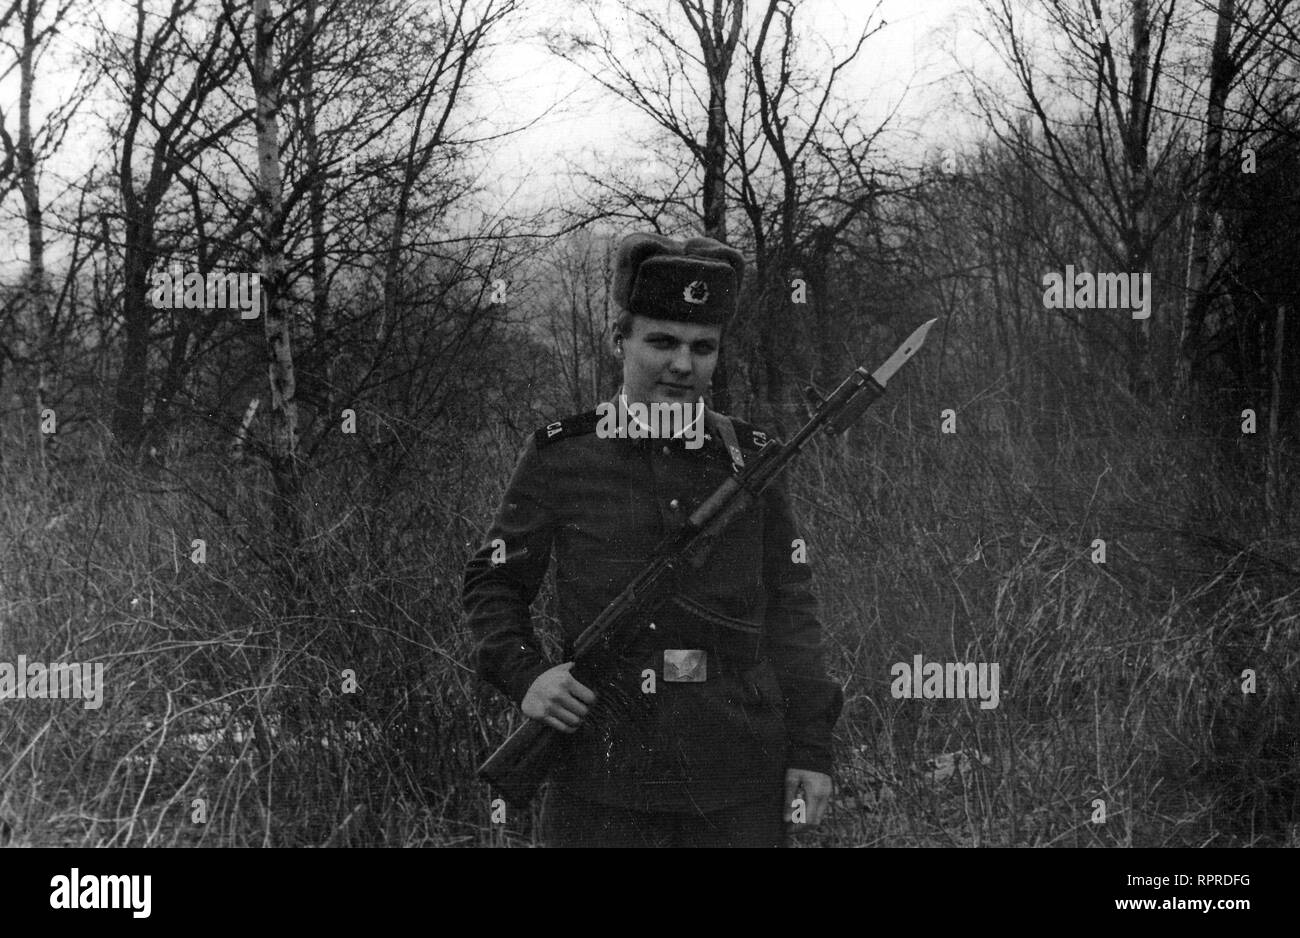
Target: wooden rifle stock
{"x": 518, "y": 768}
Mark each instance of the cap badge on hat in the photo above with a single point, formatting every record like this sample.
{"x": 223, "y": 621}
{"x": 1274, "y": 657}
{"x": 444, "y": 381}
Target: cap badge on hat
{"x": 697, "y": 280}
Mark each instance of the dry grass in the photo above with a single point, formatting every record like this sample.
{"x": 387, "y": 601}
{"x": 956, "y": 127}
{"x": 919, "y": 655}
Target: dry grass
{"x": 1120, "y": 682}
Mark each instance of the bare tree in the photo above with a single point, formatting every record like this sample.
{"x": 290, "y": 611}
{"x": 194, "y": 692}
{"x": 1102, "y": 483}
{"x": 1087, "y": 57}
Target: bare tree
{"x": 577, "y": 307}
{"x": 1104, "y": 171}
{"x": 762, "y": 161}
{"x": 285, "y": 466}
{"x": 821, "y": 183}
{"x": 717, "y": 33}
{"x": 164, "y": 130}
{"x": 21, "y": 165}
{"x": 1228, "y": 63}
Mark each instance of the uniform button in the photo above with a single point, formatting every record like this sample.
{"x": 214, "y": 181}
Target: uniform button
{"x": 668, "y": 450}
{"x": 652, "y": 626}
{"x": 674, "y": 504}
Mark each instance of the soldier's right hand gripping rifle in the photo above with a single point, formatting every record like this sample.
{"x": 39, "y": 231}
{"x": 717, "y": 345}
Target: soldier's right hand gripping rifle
{"x": 519, "y": 766}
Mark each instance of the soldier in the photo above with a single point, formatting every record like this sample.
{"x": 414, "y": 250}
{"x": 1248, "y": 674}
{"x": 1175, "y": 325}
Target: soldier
{"x": 720, "y": 716}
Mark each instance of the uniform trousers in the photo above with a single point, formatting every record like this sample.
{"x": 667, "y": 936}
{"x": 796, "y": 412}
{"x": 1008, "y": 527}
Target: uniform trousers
{"x": 569, "y": 821}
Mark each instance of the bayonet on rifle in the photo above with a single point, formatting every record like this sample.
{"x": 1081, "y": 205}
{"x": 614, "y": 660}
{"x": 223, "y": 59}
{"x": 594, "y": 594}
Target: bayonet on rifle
{"x": 519, "y": 766}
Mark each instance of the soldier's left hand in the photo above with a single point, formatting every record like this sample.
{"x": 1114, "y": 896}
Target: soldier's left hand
{"x": 816, "y": 795}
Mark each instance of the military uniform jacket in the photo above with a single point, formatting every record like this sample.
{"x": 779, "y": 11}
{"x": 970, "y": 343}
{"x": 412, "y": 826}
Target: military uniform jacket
{"x": 601, "y": 506}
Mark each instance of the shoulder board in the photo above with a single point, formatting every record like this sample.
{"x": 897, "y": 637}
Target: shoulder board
{"x": 577, "y": 425}
{"x": 750, "y": 438}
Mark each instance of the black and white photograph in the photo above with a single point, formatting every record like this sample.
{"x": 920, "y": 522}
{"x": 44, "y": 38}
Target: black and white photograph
{"x": 803, "y": 424}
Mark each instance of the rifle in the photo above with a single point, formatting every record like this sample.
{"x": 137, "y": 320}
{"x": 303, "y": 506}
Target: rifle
{"x": 520, "y": 765}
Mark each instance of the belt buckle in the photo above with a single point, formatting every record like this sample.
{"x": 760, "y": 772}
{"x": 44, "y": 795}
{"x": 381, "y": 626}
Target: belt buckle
{"x": 686, "y": 665}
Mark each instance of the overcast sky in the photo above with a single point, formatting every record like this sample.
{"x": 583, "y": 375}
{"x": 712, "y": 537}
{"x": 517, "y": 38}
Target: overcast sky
{"x": 907, "y": 66}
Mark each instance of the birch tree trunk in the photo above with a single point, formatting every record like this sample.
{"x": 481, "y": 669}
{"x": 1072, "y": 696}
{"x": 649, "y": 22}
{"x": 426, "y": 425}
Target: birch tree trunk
{"x": 284, "y": 413}
{"x": 37, "y": 295}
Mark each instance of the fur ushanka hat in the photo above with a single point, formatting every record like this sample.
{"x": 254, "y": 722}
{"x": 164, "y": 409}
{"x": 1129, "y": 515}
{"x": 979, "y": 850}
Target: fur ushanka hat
{"x": 696, "y": 281}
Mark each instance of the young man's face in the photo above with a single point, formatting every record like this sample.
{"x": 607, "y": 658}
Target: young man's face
{"x": 666, "y": 361}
